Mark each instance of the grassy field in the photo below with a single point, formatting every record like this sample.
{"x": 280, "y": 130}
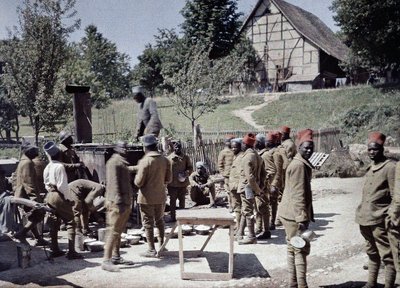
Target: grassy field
{"x": 355, "y": 110}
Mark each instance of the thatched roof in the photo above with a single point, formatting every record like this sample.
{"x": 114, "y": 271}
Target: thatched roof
{"x": 310, "y": 26}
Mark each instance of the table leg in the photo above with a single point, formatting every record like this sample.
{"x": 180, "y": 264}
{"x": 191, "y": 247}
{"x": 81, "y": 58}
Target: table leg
{"x": 231, "y": 241}
{"x": 180, "y": 248}
{"x": 208, "y": 238}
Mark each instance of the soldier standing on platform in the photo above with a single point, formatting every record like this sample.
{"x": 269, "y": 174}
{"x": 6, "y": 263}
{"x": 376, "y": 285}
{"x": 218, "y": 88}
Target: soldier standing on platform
{"x": 296, "y": 209}
{"x": 250, "y": 184}
{"x": 262, "y": 200}
{"x": 154, "y": 173}
{"x": 181, "y": 169}
{"x": 225, "y": 158}
{"x": 119, "y": 194}
{"x": 373, "y": 211}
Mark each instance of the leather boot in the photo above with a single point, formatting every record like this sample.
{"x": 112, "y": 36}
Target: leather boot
{"x": 274, "y": 208}
{"x": 54, "y": 225}
{"x": 251, "y": 237}
{"x": 291, "y": 268}
{"x": 151, "y": 252}
{"x": 301, "y": 269}
{"x": 266, "y": 234}
{"x": 237, "y": 217}
{"x": 242, "y": 226}
{"x": 21, "y": 235}
{"x": 390, "y": 276}
{"x": 72, "y": 254}
{"x": 258, "y": 224}
{"x": 373, "y": 270}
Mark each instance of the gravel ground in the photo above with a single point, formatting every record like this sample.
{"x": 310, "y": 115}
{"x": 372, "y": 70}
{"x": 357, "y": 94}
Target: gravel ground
{"x": 336, "y": 257}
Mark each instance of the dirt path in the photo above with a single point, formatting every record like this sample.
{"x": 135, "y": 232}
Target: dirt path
{"x": 246, "y": 113}
{"x": 336, "y": 257}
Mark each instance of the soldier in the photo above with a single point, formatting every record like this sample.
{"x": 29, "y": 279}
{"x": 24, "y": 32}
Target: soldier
{"x": 250, "y": 184}
{"x": 84, "y": 192}
{"x": 262, "y": 200}
{"x": 286, "y": 151}
{"x": 154, "y": 173}
{"x": 276, "y": 182}
{"x": 393, "y": 220}
{"x": 373, "y": 210}
{"x": 225, "y": 158}
{"x": 147, "y": 121}
{"x": 69, "y": 158}
{"x": 119, "y": 194}
{"x": 26, "y": 187}
{"x": 59, "y": 198}
{"x": 201, "y": 186}
{"x": 296, "y": 210}
{"x": 181, "y": 169}
{"x": 234, "y": 176}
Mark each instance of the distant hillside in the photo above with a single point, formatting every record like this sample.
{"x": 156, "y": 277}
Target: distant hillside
{"x": 355, "y": 110}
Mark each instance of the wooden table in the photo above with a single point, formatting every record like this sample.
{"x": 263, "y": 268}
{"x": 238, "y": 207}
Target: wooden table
{"x": 214, "y": 218}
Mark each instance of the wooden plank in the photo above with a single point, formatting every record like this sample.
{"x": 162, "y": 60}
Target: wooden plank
{"x": 208, "y": 238}
{"x": 181, "y": 263}
{"x": 231, "y": 254}
{"x": 206, "y": 276}
{"x": 161, "y": 251}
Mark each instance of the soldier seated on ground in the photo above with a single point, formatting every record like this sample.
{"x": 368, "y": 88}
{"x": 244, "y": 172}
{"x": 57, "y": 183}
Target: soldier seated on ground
{"x": 201, "y": 186}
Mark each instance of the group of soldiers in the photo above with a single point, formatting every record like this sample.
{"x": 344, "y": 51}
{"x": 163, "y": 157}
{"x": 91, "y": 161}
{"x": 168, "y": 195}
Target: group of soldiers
{"x": 267, "y": 177}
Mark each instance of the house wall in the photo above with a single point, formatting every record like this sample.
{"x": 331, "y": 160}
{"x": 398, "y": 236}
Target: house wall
{"x": 278, "y": 44}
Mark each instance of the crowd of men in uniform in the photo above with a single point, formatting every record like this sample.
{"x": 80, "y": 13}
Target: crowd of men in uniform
{"x": 267, "y": 177}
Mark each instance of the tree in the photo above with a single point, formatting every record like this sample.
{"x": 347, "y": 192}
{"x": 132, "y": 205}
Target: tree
{"x": 8, "y": 116}
{"x": 34, "y": 55}
{"x": 98, "y": 63}
{"x": 372, "y": 28}
{"x": 214, "y": 24}
{"x": 199, "y": 83}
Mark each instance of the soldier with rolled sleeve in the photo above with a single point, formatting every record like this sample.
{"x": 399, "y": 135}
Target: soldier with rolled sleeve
{"x": 377, "y": 198}
{"x": 119, "y": 197}
{"x": 60, "y": 199}
{"x": 153, "y": 174}
{"x": 296, "y": 209}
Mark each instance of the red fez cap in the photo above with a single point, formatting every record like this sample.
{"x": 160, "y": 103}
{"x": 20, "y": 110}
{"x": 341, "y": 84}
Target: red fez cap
{"x": 376, "y": 137}
{"x": 249, "y": 139}
{"x": 272, "y": 137}
{"x": 305, "y": 135}
{"x": 285, "y": 129}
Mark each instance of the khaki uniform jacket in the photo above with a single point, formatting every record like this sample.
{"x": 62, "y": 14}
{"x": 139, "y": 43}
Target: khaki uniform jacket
{"x": 39, "y": 165}
{"x": 269, "y": 165}
{"x": 69, "y": 158}
{"x": 234, "y": 175}
{"x": 225, "y": 159}
{"x": 180, "y": 163}
{"x": 377, "y": 193}
{"x": 82, "y": 187}
{"x": 154, "y": 173}
{"x": 394, "y": 210}
{"x": 119, "y": 189}
{"x": 278, "y": 177}
{"x": 252, "y": 172}
{"x": 196, "y": 179}
{"x": 296, "y": 204}
{"x": 26, "y": 182}
{"x": 147, "y": 120}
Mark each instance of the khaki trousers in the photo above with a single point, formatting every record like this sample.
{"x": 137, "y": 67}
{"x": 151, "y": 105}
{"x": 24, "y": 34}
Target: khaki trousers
{"x": 174, "y": 194}
{"x": 394, "y": 240}
{"x": 247, "y": 205}
{"x": 116, "y": 224}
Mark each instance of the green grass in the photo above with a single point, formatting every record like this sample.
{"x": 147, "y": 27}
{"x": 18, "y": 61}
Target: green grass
{"x": 336, "y": 108}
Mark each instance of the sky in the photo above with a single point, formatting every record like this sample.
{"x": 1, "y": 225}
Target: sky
{"x": 131, "y": 24}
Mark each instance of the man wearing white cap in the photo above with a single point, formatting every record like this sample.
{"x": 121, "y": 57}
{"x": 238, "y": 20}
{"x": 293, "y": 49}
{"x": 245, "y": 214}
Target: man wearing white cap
{"x": 147, "y": 120}
{"x": 154, "y": 173}
{"x": 201, "y": 186}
